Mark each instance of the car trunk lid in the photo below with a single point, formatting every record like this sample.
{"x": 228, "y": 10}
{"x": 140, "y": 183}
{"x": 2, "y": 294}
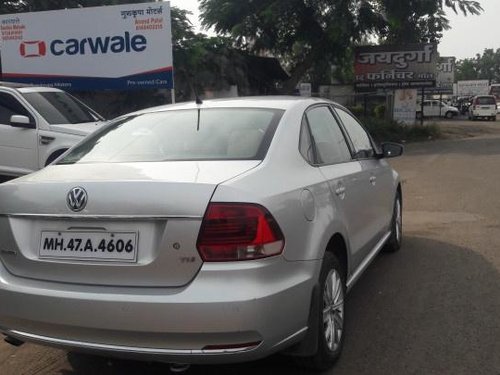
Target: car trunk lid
{"x": 157, "y": 208}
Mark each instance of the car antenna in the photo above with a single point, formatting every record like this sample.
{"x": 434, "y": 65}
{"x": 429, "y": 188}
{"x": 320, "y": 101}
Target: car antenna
{"x": 198, "y": 102}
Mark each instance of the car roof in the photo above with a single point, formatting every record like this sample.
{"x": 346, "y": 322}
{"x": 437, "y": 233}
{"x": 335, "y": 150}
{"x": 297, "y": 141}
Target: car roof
{"x": 13, "y": 85}
{"x": 274, "y": 102}
{"x": 22, "y": 87}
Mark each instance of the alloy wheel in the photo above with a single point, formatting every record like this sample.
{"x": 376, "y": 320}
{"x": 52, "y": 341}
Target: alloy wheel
{"x": 333, "y": 310}
{"x": 399, "y": 221}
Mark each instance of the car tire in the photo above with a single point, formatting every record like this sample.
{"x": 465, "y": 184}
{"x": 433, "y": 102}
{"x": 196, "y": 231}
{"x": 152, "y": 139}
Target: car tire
{"x": 393, "y": 244}
{"x": 331, "y": 327}
{"x": 449, "y": 114}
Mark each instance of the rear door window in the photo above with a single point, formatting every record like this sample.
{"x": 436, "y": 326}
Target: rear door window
{"x": 362, "y": 143}
{"x": 486, "y": 100}
{"x": 330, "y": 143}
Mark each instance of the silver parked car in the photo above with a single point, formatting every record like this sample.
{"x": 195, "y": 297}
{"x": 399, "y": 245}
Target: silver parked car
{"x": 212, "y": 233}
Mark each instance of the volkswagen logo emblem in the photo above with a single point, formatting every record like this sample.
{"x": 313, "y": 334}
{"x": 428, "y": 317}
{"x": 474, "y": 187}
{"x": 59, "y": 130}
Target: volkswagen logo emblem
{"x": 77, "y": 199}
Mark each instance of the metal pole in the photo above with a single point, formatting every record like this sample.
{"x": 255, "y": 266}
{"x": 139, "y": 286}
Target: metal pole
{"x": 422, "y": 107}
{"x": 440, "y": 101}
{"x": 172, "y": 94}
{"x": 365, "y": 104}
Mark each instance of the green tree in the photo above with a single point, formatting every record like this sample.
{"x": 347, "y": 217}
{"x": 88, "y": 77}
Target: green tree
{"x": 303, "y": 34}
{"x": 417, "y": 21}
{"x": 306, "y": 33}
{"x": 466, "y": 70}
{"x": 483, "y": 66}
{"x": 488, "y": 65}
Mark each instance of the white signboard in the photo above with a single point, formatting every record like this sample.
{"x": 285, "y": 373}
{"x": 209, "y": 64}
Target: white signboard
{"x": 405, "y": 106}
{"x": 111, "y": 47}
{"x": 445, "y": 75}
{"x": 472, "y": 88}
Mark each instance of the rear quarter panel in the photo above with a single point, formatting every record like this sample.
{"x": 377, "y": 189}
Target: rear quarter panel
{"x": 284, "y": 183}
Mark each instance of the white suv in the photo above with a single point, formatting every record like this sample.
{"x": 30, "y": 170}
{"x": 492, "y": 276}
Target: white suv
{"x": 38, "y": 124}
{"x": 436, "y": 108}
{"x": 484, "y": 106}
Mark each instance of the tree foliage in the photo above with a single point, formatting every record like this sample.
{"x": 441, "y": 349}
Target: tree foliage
{"x": 203, "y": 62}
{"x": 302, "y": 33}
{"x": 306, "y": 33}
{"x": 416, "y": 21}
{"x": 483, "y": 66}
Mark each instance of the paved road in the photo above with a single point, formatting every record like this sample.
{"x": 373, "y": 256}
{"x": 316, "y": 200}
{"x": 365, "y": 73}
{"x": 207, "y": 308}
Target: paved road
{"x": 432, "y": 308}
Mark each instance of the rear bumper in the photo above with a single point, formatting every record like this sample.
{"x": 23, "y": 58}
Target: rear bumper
{"x": 229, "y": 313}
{"x": 484, "y": 113}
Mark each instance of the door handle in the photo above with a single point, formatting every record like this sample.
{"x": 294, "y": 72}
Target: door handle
{"x": 373, "y": 180}
{"x": 45, "y": 140}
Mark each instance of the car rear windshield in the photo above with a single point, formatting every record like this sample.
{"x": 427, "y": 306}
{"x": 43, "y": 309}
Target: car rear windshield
{"x": 206, "y": 134}
{"x": 60, "y": 108}
{"x": 485, "y": 100}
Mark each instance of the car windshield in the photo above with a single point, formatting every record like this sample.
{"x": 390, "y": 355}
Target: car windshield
{"x": 60, "y": 108}
{"x": 207, "y": 134}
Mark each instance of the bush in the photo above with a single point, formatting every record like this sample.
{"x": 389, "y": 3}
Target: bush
{"x": 379, "y": 111}
{"x": 393, "y": 131}
{"x": 357, "y": 111}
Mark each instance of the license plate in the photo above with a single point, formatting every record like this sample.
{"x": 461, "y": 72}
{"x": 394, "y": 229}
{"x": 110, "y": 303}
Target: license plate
{"x": 105, "y": 246}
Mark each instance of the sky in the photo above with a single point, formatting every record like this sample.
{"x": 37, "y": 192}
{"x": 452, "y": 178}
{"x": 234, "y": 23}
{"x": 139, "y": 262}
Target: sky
{"x": 468, "y": 36}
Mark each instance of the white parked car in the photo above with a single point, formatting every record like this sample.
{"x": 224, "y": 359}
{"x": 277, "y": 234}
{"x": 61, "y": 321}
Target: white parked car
{"x": 437, "y": 108}
{"x": 38, "y": 124}
{"x": 212, "y": 233}
{"x": 483, "y": 106}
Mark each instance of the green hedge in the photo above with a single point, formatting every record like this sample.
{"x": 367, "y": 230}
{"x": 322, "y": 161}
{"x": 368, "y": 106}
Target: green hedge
{"x": 391, "y": 131}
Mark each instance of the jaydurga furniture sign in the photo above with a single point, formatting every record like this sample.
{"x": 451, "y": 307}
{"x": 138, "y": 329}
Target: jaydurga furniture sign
{"x": 395, "y": 67}
{"x": 111, "y": 47}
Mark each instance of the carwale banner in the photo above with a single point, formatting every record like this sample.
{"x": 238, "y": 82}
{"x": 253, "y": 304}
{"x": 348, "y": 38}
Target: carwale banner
{"x": 117, "y": 47}
{"x": 395, "y": 67}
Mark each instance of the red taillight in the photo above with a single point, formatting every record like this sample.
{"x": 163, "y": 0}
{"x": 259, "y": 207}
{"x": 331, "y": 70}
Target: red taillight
{"x": 238, "y": 231}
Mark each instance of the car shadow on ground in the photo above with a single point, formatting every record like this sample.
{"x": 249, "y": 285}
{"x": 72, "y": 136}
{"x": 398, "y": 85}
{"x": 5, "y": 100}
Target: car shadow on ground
{"x": 432, "y": 308}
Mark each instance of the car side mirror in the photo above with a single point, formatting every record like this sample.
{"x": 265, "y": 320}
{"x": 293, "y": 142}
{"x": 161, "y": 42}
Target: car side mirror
{"x": 20, "y": 121}
{"x": 391, "y": 150}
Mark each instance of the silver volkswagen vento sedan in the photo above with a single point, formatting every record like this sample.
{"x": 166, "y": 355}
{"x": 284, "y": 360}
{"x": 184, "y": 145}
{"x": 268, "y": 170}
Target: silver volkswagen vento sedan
{"x": 200, "y": 233}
